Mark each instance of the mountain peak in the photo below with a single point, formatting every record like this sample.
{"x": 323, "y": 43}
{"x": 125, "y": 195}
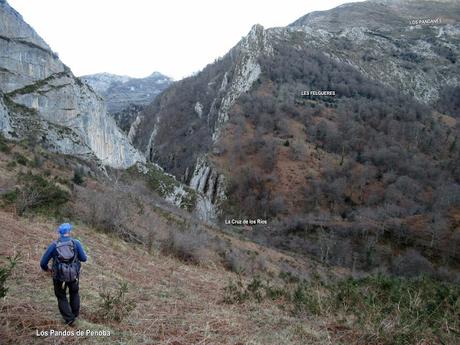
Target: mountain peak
{"x": 257, "y": 28}
{"x": 121, "y": 91}
{"x": 381, "y": 15}
{"x": 156, "y": 74}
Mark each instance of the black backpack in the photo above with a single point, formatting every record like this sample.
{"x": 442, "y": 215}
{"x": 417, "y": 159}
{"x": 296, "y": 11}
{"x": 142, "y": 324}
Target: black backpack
{"x": 66, "y": 266}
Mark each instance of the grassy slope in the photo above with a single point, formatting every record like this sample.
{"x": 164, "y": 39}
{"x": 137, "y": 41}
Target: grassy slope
{"x": 179, "y": 303}
{"x": 176, "y": 303}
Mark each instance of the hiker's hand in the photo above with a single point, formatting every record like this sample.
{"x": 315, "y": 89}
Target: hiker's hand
{"x": 49, "y": 272}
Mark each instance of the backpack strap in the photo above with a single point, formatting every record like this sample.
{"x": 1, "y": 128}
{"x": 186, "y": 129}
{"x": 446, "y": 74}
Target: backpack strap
{"x": 75, "y": 251}
{"x": 75, "y": 257}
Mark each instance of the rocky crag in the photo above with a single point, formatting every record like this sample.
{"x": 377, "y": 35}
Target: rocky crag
{"x": 42, "y": 100}
{"x": 125, "y": 96}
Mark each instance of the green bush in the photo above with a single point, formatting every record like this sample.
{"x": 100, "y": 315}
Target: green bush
{"x": 420, "y": 308}
{"x": 235, "y": 292}
{"x": 20, "y": 159}
{"x": 381, "y": 309}
{"x": 288, "y": 277}
{"x": 115, "y": 304}
{"x": 306, "y": 300}
{"x": 11, "y": 196}
{"x": 36, "y": 193}
{"x": 4, "y": 147}
{"x": 5, "y": 273}
{"x": 256, "y": 290}
{"x": 78, "y": 176}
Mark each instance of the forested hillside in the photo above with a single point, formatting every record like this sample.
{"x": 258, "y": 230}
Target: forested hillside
{"x": 366, "y": 175}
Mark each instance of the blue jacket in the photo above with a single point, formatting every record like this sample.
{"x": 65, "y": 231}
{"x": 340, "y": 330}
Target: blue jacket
{"x": 51, "y": 252}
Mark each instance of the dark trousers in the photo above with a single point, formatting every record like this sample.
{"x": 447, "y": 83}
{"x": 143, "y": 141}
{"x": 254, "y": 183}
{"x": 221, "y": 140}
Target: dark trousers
{"x": 68, "y": 311}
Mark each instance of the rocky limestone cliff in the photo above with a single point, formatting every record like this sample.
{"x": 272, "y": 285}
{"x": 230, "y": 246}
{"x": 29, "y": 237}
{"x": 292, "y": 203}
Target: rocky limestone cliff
{"x": 126, "y": 97}
{"x": 43, "y": 100}
{"x": 196, "y": 110}
{"x": 379, "y": 39}
{"x": 24, "y": 57}
{"x": 245, "y": 74}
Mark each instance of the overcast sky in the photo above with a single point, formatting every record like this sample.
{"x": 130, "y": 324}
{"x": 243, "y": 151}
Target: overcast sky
{"x": 137, "y": 37}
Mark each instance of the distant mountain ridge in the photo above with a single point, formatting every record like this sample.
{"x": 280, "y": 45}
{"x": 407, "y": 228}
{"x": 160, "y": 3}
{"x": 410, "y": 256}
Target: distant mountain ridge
{"x": 122, "y": 91}
{"x": 381, "y": 15}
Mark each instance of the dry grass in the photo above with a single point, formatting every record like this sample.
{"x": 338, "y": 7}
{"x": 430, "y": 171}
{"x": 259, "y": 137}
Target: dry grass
{"x": 176, "y": 303}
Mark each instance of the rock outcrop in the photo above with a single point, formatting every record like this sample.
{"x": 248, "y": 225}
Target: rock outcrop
{"x": 126, "y": 97}
{"x": 210, "y": 184}
{"x": 245, "y": 74}
{"x": 5, "y": 125}
{"x": 42, "y": 100}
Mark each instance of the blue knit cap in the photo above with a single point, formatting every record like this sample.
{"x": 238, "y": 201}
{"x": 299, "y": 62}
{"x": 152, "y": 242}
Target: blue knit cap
{"x": 64, "y": 228}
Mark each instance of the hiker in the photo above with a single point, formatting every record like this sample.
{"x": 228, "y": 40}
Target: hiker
{"x": 67, "y": 253}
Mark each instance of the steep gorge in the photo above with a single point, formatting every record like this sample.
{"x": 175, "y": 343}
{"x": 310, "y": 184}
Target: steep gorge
{"x": 377, "y": 155}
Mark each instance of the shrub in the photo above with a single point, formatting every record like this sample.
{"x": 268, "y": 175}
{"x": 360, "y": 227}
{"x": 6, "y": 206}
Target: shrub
{"x": 115, "y": 304}
{"x": 236, "y": 261}
{"x": 387, "y": 310}
{"x": 243, "y": 261}
{"x": 36, "y": 193}
{"x": 4, "y": 147}
{"x": 191, "y": 245}
{"x": 412, "y": 264}
{"x": 21, "y": 159}
{"x": 256, "y": 290}
{"x": 306, "y": 299}
{"x": 235, "y": 292}
{"x": 110, "y": 213}
{"x": 10, "y": 196}
{"x": 5, "y": 273}
{"x": 78, "y": 176}
{"x": 419, "y": 308}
